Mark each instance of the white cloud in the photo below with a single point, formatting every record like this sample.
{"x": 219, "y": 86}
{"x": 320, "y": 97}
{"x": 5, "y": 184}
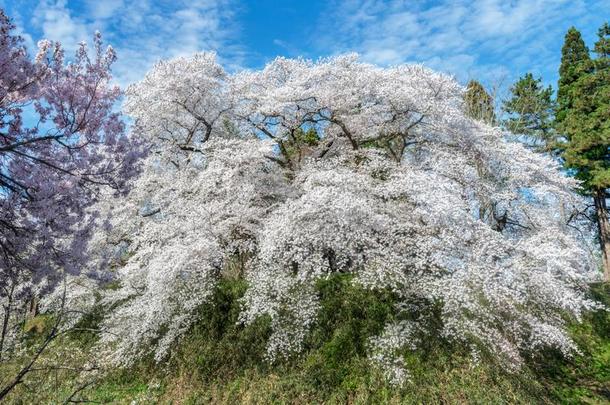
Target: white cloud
{"x": 104, "y": 9}
{"x": 27, "y": 38}
{"x": 56, "y": 22}
{"x": 144, "y": 31}
{"x": 483, "y": 39}
{"x": 486, "y": 39}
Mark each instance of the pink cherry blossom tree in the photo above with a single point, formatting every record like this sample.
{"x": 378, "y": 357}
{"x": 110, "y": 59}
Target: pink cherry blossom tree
{"x": 61, "y": 145}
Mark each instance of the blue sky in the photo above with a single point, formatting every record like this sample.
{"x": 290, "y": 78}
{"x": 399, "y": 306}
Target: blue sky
{"x": 491, "y": 40}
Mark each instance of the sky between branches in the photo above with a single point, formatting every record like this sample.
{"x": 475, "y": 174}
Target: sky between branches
{"x": 495, "y": 41}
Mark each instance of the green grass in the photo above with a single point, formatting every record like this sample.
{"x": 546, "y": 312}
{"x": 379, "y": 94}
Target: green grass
{"x": 220, "y": 361}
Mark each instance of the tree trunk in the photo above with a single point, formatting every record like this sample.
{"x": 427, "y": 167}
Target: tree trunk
{"x": 5, "y": 321}
{"x": 7, "y": 314}
{"x": 603, "y": 226}
{"x": 33, "y": 307}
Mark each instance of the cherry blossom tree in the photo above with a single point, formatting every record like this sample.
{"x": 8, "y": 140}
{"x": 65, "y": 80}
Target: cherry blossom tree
{"x": 397, "y": 186}
{"x": 61, "y": 144}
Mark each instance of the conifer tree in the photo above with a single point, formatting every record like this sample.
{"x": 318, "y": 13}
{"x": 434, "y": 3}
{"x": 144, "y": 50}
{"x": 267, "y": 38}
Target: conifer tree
{"x": 585, "y": 123}
{"x": 530, "y": 111}
{"x": 574, "y": 54}
{"x": 479, "y": 103}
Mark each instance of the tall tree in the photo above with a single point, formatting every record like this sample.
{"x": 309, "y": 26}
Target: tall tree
{"x": 530, "y": 111}
{"x": 479, "y": 103}
{"x": 61, "y": 144}
{"x": 349, "y": 207}
{"x": 574, "y": 54}
{"x": 585, "y": 123}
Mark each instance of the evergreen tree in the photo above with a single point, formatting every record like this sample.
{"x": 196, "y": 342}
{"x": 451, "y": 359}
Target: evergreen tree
{"x": 479, "y": 103}
{"x": 573, "y": 55}
{"x": 586, "y": 127}
{"x": 530, "y": 111}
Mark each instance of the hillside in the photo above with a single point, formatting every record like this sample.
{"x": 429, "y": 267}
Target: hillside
{"x": 220, "y": 362}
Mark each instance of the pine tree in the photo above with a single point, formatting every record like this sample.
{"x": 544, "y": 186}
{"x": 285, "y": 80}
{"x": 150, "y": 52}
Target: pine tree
{"x": 586, "y": 127}
{"x": 479, "y": 103}
{"x": 530, "y": 111}
{"x": 574, "y": 54}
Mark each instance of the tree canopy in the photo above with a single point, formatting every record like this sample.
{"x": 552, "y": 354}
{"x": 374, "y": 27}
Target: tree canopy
{"x": 60, "y": 143}
{"x": 583, "y": 119}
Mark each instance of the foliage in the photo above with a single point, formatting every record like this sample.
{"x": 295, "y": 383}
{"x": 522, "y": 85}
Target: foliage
{"x": 311, "y": 231}
{"x": 166, "y": 271}
{"x": 301, "y": 143}
{"x": 574, "y": 54}
{"x": 586, "y": 124}
{"x": 530, "y": 111}
{"x": 584, "y": 105}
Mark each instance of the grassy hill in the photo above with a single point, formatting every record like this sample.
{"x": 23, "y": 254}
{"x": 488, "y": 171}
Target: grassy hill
{"x": 222, "y": 362}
